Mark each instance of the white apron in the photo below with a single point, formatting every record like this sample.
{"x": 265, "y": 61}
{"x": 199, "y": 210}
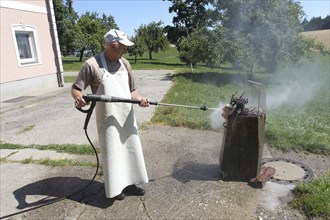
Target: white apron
{"x": 121, "y": 150}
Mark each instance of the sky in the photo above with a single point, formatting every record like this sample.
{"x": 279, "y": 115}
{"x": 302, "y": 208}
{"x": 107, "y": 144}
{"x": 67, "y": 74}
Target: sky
{"x": 131, "y": 14}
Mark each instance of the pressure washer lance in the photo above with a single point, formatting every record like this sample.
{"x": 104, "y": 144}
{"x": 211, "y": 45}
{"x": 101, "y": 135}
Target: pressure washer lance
{"x": 104, "y": 98}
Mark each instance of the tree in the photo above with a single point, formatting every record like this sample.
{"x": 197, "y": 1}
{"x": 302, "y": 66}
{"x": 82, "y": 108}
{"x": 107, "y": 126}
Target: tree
{"x": 108, "y": 23}
{"x": 326, "y": 23}
{"x": 174, "y": 34}
{"x": 304, "y": 24}
{"x": 66, "y": 19}
{"x": 260, "y": 33}
{"x": 191, "y": 14}
{"x": 90, "y": 31}
{"x": 153, "y": 37}
{"x": 138, "y": 48}
{"x": 194, "y": 48}
{"x": 80, "y": 33}
{"x": 215, "y": 54}
{"x": 316, "y": 23}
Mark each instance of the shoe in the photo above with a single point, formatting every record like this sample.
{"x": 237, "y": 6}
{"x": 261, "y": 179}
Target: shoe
{"x": 121, "y": 196}
{"x": 134, "y": 190}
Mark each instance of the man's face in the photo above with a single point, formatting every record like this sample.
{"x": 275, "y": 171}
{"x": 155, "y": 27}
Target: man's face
{"x": 120, "y": 49}
{"x": 115, "y": 50}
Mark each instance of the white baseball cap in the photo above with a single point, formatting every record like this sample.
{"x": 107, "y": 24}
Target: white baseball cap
{"x": 117, "y": 36}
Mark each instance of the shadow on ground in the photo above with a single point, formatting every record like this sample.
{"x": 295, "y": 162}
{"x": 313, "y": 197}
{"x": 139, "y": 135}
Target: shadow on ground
{"x": 54, "y": 189}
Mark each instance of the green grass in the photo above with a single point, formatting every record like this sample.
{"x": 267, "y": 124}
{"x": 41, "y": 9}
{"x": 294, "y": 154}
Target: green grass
{"x": 64, "y": 148}
{"x": 165, "y": 60}
{"x": 203, "y": 87}
{"x": 70, "y": 79}
{"x": 60, "y": 148}
{"x": 303, "y": 123}
{"x": 313, "y": 199}
{"x": 288, "y": 129}
{"x": 72, "y": 64}
{"x": 299, "y": 124}
{"x": 57, "y": 163}
{"x": 26, "y": 129}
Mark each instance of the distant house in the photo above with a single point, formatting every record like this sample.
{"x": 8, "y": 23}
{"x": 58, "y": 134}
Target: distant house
{"x": 30, "y": 59}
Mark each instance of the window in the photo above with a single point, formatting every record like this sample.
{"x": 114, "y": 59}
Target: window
{"x": 25, "y": 40}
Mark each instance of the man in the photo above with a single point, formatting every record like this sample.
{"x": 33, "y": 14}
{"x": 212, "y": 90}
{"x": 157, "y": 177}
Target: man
{"x": 110, "y": 74}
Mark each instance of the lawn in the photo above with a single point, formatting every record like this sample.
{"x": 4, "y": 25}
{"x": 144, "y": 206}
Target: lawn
{"x": 300, "y": 119}
{"x": 313, "y": 198}
{"x": 297, "y": 100}
{"x": 162, "y": 60}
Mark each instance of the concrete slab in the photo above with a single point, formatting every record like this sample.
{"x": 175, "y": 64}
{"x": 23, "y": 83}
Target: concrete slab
{"x": 35, "y": 154}
{"x": 4, "y": 153}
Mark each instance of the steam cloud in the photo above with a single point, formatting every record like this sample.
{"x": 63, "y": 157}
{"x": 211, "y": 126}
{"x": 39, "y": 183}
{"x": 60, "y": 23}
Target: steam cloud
{"x": 297, "y": 86}
{"x": 216, "y": 117}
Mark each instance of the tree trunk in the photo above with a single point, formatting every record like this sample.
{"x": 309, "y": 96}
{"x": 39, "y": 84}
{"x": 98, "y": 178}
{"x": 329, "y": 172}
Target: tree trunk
{"x": 81, "y": 54}
{"x": 150, "y": 54}
{"x": 251, "y": 68}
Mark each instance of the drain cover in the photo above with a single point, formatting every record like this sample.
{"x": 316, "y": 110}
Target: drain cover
{"x": 288, "y": 171}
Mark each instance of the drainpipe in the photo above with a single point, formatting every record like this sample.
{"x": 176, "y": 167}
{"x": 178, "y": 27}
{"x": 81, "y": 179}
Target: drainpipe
{"x": 56, "y": 45}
